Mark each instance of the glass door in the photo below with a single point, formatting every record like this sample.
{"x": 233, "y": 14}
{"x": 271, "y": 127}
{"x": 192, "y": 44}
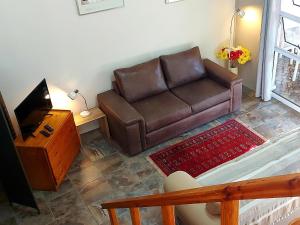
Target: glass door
{"x": 286, "y": 70}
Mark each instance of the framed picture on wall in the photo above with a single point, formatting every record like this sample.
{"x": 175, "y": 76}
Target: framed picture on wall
{"x": 91, "y": 6}
{"x": 171, "y": 1}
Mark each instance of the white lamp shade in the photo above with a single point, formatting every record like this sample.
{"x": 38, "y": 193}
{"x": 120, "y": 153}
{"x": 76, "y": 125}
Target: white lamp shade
{"x": 72, "y": 95}
{"x": 241, "y": 13}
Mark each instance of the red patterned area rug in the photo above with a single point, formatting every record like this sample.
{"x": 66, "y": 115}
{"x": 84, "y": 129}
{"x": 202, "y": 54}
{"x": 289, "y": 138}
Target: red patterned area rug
{"x": 208, "y": 149}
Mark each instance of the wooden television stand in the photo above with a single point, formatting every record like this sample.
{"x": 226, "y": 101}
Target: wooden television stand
{"x": 46, "y": 160}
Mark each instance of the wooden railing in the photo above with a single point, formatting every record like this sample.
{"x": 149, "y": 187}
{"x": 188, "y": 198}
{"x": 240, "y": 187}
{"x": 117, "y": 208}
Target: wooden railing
{"x": 228, "y": 194}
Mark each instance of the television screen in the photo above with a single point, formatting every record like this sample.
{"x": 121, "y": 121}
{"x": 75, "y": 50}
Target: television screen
{"x": 31, "y": 112}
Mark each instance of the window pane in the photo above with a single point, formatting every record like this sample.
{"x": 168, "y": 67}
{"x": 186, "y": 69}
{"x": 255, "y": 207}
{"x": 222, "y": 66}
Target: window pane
{"x": 291, "y": 7}
{"x": 296, "y": 2}
{"x": 287, "y": 78}
{"x": 292, "y": 31}
{"x": 286, "y": 68}
{"x": 289, "y": 36}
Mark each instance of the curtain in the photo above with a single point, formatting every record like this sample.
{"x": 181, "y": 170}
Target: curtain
{"x": 271, "y": 18}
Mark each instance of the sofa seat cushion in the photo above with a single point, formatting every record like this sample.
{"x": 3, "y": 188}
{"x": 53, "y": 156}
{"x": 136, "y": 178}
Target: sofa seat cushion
{"x": 202, "y": 94}
{"x": 183, "y": 67}
{"x": 161, "y": 110}
{"x": 141, "y": 81}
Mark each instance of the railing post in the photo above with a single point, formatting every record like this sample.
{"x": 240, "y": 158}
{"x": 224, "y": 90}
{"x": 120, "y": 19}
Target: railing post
{"x": 135, "y": 216}
{"x": 168, "y": 215}
{"x": 113, "y": 217}
{"x": 230, "y": 212}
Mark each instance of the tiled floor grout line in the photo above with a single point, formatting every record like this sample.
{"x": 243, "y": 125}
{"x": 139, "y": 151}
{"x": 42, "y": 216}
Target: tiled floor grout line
{"x": 79, "y": 195}
{"x": 51, "y": 212}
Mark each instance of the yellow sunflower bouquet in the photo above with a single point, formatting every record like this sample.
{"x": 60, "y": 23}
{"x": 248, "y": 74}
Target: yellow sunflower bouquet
{"x": 240, "y": 54}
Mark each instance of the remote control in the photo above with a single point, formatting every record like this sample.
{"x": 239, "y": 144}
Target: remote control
{"x": 45, "y": 133}
{"x": 49, "y": 128}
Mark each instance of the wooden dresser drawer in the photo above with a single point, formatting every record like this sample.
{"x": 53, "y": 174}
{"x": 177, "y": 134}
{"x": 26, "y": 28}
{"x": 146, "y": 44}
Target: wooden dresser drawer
{"x": 47, "y": 160}
{"x": 63, "y": 150}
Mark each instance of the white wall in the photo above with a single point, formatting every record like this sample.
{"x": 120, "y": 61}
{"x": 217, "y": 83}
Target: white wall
{"x": 248, "y": 32}
{"x": 49, "y": 39}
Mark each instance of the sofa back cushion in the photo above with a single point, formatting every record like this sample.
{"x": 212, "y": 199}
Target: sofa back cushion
{"x": 141, "y": 81}
{"x": 183, "y": 67}
{"x": 115, "y": 87}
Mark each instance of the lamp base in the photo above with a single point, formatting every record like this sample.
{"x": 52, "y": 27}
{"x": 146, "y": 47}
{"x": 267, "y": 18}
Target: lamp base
{"x": 84, "y": 114}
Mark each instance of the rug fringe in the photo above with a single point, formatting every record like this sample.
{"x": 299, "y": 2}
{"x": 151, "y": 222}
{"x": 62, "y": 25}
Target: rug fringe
{"x": 251, "y": 129}
{"x": 148, "y": 158}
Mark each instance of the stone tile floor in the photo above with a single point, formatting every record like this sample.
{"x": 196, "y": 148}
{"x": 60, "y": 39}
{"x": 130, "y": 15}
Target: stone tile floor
{"x": 101, "y": 172}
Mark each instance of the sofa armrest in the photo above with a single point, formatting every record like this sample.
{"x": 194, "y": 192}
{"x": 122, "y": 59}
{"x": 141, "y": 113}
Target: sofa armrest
{"x": 221, "y": 74}
{"x": 119, "y": 108}
{"x": 229, "y": 80}
{"x": 126, "y": 125}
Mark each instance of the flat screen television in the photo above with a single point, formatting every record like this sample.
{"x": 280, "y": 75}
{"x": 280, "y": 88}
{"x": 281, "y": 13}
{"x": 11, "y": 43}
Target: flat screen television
{"x": 31, "y": 112}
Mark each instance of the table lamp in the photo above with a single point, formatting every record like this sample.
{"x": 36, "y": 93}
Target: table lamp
{"x": 73, "y": 95}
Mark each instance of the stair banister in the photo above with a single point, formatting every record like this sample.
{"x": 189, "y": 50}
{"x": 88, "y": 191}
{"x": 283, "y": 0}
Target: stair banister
{"x": 228, "y": 194}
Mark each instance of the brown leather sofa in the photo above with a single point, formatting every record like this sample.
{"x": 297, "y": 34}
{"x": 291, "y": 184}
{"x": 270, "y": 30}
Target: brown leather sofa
{"x": 160, "y": 99}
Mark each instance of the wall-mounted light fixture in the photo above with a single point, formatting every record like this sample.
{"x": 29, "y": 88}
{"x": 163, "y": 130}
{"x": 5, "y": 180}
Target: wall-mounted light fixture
{"x": 240, "y": 13}
{"x": 251, "y": 14}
